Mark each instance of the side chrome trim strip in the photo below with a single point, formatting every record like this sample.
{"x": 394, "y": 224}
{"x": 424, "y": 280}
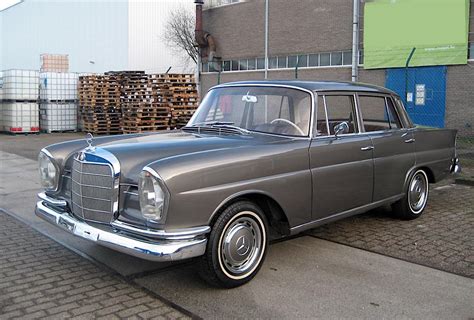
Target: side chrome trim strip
{"x": 345, "y": 214}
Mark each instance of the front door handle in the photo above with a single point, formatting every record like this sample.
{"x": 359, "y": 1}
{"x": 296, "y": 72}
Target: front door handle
{"x": 410, "y": 140}
{"x": 368, "y": 148}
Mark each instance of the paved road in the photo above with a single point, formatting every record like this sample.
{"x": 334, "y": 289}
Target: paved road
{"x": 442, "y": 238}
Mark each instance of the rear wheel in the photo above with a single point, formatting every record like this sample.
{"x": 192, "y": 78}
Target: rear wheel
{"x": 412, "y": 205}
{"x": 237, "y": 246}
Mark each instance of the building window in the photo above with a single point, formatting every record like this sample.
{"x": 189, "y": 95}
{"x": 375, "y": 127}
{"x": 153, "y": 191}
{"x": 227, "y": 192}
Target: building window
{"x": 243, "y": 64}
{"x": 282, "y": 62}
{"x": 292, "y": 61}
{"x": 234, "y": 66}
{"x": 314, "y": 60}
{"x": 302, "y": 61}
{"x": 361, "y": 57}
{"x": 273, "y": 63}
{"x": 251, "y": 64}
{"x": 347, "y": 58}
{"x": 336, "y": 59}
{"x": 226, "y": 65}
{"x": 470, "y": 53}
{"x": 325, "y": 59}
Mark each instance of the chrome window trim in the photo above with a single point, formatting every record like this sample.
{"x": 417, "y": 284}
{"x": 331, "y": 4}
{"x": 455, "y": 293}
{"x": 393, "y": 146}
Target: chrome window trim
{"x": 323, "y": 94}
{"x": 311, "y": 93}
{"x": 379, "y": 95}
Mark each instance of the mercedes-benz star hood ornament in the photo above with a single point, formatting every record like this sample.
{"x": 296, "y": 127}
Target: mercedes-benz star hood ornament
{"x": 89, "y": 140}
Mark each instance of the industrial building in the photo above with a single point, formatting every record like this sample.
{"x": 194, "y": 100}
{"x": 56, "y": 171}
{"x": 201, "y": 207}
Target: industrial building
{"x": 313, "y": 40}
{"x": 97, "y": 36}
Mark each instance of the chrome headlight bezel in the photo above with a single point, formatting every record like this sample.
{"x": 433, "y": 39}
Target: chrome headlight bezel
{"x": 49, "y": 171}
{"x": 153, "y": 210}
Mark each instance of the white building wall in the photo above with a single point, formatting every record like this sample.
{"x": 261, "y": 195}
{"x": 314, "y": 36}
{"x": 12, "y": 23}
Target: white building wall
{"x": 93, "y": 33}
{"x": 147, "y": 50}
{"x": 98, "y": 35}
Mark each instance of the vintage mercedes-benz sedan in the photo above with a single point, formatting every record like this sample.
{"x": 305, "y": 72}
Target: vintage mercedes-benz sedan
{"x": 257, "y": 161}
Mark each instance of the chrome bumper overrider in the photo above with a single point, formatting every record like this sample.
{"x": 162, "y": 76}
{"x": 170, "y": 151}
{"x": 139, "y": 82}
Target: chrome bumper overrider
{"x": 455, "y": 167}
{"x": 145, "y": 244}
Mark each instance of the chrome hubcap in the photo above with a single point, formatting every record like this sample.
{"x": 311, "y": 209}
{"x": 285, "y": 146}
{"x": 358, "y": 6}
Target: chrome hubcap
{"x": 418, "y": 192}
{"x": 242, "y": 245}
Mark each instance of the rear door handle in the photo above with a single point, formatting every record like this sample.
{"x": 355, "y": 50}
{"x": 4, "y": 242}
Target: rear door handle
{"x": 410, "y": 140}
{"x": 368, "y": 148}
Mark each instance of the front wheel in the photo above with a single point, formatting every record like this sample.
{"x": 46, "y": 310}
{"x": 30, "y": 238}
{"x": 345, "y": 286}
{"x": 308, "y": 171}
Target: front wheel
{"x": 237, "y": 246}
{"x": 412, "y": 205}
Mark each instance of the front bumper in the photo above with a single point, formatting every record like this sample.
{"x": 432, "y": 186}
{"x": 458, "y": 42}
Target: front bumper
{"x": 146, "y": 244}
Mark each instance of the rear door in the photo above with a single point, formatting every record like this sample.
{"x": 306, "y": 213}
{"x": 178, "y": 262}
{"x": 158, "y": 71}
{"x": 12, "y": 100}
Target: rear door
{"x": 394, "y": 147}
{"x": 342, "y": 168}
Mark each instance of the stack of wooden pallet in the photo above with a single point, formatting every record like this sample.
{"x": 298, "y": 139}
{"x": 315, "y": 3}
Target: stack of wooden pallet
{"x": 99, "y": 104}
{"x": 181, "y": 98}
{"x": 143, "y": 105}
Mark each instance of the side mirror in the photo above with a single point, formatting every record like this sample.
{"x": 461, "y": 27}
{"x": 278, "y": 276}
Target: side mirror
{"x": 341, "y": 128}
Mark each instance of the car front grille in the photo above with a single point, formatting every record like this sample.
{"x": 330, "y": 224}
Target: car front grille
{"x": 94, "y": 189}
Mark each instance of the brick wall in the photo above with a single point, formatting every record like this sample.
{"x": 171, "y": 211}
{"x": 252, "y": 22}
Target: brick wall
{"x": 307, "y": 26}
{"x": 460, "y": 99}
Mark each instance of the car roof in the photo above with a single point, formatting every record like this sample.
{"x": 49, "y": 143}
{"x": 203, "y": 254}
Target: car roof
{"x": 314, "y": 85}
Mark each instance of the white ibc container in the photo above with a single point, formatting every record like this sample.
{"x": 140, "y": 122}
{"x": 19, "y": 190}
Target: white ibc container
{"x": 20, "y": 117}
{"x": 20, "y": 85}
{"x": 1, "y": 117}
{"x": 1, "y": 86}
{"x": 58, "y": 86}
{"x": 58, "y": 117}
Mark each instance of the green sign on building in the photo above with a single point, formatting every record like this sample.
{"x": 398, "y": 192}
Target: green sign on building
{"x": 438, "y": 29}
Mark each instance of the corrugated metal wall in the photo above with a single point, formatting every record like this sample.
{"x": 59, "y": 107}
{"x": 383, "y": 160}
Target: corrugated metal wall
{"x": 93, "y": 33}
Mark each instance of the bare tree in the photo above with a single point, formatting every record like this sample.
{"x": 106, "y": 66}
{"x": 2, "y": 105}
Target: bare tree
{"x": 179, "y": 33}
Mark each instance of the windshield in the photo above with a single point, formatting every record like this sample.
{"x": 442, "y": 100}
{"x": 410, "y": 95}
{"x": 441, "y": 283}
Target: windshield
{"x": 263, "y": 109}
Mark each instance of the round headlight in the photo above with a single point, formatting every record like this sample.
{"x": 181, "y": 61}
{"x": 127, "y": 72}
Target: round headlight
{"x": 49, "y": 174}
{"x": 152, "y": 197}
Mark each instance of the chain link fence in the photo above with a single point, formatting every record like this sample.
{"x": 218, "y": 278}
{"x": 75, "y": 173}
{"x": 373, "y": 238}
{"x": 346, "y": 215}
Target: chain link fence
{"x": 440, "y": 96}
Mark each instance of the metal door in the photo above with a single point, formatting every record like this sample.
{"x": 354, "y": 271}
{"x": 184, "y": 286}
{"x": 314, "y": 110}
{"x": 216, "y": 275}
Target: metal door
{"x": 423, "y": 90}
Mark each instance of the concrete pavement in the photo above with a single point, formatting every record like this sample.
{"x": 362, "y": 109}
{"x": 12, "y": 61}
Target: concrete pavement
{"x": 312, "y": 278}
{"x": 302, "y": 278}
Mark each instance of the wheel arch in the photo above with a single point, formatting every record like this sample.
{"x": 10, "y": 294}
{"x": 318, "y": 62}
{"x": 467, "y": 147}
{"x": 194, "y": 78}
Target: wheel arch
{"x": 425, "y": 168}
{"x": 276, "y": 217}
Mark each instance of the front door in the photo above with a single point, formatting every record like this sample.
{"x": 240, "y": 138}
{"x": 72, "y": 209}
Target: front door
{"x": 342, "y": 167}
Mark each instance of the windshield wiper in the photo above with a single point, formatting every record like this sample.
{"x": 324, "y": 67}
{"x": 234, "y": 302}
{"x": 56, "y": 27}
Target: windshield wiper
{"x": 228, "y": 126}
{"x": 219, "y": 124}
{"x": 211, "y": 123}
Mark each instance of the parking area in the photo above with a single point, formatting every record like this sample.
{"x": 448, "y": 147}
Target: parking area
{"x": 396, "y": 273}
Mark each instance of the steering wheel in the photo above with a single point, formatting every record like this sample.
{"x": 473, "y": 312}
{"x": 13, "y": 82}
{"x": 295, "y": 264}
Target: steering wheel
{"x": 288, "y": 122}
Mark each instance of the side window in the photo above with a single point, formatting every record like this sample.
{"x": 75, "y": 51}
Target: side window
{"x": 378, "y": 115}
{"x": 340, "y": 109}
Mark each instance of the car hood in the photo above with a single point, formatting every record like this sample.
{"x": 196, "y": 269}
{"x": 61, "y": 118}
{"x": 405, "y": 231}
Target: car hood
{"x": 137, "y": 151}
